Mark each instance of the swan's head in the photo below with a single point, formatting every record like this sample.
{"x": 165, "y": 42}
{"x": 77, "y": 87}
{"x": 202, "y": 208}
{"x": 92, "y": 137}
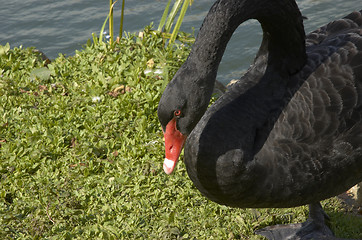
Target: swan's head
{"x": 182, "y": 105}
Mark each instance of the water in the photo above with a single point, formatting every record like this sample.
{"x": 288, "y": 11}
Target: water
{"x": 64, "y": 26}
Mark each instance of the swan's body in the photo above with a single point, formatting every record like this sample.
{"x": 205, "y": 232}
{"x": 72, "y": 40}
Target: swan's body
{"x": 289, "y": 132}
{"x": 300, "y": 145}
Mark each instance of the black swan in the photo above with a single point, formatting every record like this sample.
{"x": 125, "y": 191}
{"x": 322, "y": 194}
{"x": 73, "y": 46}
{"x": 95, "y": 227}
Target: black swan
{"x": 289, "y": 132}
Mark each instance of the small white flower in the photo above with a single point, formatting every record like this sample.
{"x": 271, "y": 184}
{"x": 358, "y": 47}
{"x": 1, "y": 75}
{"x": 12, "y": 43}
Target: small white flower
{"x": 96, "y": 99}
{"x": 147, "y": 71}
{"x": 153, "y": 142}
{"x": 158, "y": 71}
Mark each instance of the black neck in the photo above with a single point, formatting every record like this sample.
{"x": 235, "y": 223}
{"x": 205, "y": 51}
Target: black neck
{"x": 283, "y": 38}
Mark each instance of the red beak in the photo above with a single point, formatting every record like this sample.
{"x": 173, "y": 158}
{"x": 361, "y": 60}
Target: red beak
{"x": 174, "y": 142}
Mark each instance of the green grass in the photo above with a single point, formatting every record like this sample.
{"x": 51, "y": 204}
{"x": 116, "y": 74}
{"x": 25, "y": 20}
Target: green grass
{"x": 81, "y": 152}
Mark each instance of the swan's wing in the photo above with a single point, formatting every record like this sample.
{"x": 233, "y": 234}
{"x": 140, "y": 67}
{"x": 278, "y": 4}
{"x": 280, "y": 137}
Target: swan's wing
{"x": 350, "y": 23}
{"x": 316, "y": 143}
{"x": 329, "y": 102}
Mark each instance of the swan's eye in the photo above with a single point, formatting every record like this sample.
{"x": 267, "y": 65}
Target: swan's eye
{"x": 177, "y": 113}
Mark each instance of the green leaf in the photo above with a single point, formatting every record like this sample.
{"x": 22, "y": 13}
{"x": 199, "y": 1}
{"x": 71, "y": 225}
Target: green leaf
{"x": 42, "y": 73}
{"x": 4, "y": 49}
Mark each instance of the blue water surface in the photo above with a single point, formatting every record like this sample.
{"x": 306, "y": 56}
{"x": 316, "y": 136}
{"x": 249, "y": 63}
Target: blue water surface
{"x": 55, "y": 26}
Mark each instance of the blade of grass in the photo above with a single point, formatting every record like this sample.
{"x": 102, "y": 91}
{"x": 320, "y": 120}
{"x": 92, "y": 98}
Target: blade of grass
{"x": 179, "y": 22}
{"x": 172, "y": 15}
{"x": 95, "y": 39}
{"x": 102, "y": 30}
{"x": 164, "y": 16}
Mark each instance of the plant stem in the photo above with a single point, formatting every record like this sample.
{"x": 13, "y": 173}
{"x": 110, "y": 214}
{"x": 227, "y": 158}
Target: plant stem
{"x": 111, "y": 21}
{"x": 121, "y": 23}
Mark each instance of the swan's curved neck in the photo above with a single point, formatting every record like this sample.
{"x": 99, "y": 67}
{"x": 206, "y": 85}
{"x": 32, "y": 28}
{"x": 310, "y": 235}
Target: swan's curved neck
{"x": 283, "y": 38}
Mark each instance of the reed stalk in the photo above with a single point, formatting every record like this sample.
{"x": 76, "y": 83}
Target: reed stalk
{"x": 111, "y": 20}
{"x": 121, "y": 21}
{"x": 172, "y": 15}
{"x": 179, "y": 21}
{"x": 164, "y": 17}
{"x": 168, "y": 19}
{"x": 165, "y": 26}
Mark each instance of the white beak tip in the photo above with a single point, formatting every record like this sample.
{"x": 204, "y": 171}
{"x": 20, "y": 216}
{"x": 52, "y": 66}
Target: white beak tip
{"x": 168, "y": 166}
